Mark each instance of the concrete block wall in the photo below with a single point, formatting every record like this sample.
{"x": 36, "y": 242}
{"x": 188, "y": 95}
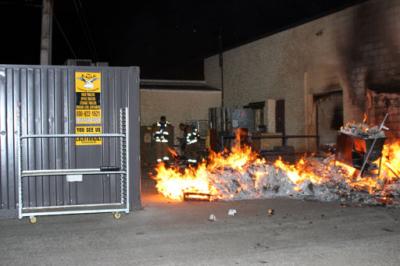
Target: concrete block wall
{"x": 348, "y": 50}
{"x": 178, "y": 106}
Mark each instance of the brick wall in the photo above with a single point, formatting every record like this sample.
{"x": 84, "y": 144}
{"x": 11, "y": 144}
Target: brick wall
{"x": 374, "y": 62}
{"x": 354, "y": 49}
{"x": 382, "y": 103}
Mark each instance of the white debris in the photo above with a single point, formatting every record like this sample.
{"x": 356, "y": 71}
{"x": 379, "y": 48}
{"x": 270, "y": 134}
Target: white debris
{"x": 265, "y": 180}
{"x": 362, "y": 130}
{"x": 232, "y": 212}
{"x": 212, "y": 218}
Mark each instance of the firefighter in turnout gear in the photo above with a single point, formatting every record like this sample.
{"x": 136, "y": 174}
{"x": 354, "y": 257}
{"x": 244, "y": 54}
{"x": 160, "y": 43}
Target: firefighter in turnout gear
{"x": 162, "y": 131}
{"x": 190, "y": 143}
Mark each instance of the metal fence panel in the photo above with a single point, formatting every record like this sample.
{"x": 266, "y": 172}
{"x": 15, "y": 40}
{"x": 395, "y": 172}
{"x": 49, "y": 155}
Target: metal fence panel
{"x": 41, "y": 100}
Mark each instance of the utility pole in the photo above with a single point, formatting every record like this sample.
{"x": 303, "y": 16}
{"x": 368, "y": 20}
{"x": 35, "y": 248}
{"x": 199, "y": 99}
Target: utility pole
{"x": 47, "y": 32}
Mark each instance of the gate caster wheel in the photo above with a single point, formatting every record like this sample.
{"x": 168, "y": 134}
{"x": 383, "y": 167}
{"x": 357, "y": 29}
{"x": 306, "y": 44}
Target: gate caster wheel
{"x": 117, "y": 215}
{"x": 32, "y": 220}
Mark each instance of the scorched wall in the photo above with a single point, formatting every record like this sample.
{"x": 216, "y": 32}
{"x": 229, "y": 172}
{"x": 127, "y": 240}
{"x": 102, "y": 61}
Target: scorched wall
{"x": 335, "y": 52}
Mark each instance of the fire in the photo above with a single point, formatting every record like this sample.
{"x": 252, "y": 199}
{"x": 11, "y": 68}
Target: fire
{"x": 389, "y": 171}
{"x": 390, "y": 163}
{"x": 365, "y": 118}
{"x": 241, "y": 171}
{"x": 299, "y": 172}
{"x": 173, "y": 184}
{"x": 238, "y": 159}
{"x": 349, "y": 171}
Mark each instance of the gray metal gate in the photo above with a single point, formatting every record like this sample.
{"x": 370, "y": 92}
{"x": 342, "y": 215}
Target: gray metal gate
{"x": 43, "y": 99}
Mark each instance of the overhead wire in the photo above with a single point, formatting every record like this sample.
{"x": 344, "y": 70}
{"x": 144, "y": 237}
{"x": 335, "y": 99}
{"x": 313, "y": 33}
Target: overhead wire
{"x": 86, "y": 30}
{"x": 89, "y": 31}
{"x": 65, "y": 37}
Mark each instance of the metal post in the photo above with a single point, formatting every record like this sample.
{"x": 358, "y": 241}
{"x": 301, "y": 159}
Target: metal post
{"x": 19, "y": 165}
{"x": 221, "y": 66}
{"x": 317, "y": 126}
{"x": 127, "y": 158}
{"x": 380, "y": 166}
{"x": 381, "y": 127}
{"x": 121, "y": 154}
{"x": 47, "y": 32}
{"x": 284, "y": 138}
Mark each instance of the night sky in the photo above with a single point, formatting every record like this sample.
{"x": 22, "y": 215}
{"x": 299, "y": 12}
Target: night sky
{"x": 167, "y": 39}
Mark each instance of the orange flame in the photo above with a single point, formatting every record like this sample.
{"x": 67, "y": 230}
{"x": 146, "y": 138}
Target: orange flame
{"x": 391, "y": 160}
{"x": 173, "y": 184}
{"x": 299, "y": 172}
{"x": 208, "y": 177}
{"x": 365, "y": 118}
{"x": 173, "y": 152}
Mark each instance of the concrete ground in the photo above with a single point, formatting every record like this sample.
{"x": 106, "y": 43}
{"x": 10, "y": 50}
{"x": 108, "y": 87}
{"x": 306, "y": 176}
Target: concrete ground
{"x": 168, "y": 233}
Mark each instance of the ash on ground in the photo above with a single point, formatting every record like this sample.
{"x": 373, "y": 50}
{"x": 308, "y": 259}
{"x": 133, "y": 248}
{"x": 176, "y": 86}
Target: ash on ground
{"x": 319, "y": 179}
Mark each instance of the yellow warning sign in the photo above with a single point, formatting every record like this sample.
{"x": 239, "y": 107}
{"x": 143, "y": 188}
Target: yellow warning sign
{"x": 88, "y": 91}
{"x": 88, "y": 82}
{"x": 88, "y": 107}
{"x": 84, "y": 116}
{"x": 86, "y": 141}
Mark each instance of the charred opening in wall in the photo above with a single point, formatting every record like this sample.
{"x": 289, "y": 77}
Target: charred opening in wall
{"x": 329, "y": 115}
{"x": 371, "y": 63}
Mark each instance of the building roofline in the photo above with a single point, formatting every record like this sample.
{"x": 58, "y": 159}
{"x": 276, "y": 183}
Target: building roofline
{"x": 179, "y": 85}
{"x": 290, "y": 26}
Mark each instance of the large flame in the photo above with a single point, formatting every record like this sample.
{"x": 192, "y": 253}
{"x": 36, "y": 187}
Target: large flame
{"x": 239, "y": 165}
{"x": 173, "y": 184}
{"x": 391, "y": 160}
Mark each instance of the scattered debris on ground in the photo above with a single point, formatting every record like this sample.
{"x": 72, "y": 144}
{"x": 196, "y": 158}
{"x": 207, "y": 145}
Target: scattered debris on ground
{"x": 232, "y": 212}
{"x": 212, "y": 218}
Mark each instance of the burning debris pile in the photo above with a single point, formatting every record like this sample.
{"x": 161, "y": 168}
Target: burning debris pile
{"x": 362, "y": 130}
{"x": 241, "y": 174}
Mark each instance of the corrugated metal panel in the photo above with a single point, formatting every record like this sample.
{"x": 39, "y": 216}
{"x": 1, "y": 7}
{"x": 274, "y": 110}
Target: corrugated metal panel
{"x": 42, "y": 100}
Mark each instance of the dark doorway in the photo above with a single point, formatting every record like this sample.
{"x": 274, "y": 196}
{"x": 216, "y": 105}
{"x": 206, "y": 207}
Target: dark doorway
{"x": 329, "y": 116}
{"x": 280, "y": 116}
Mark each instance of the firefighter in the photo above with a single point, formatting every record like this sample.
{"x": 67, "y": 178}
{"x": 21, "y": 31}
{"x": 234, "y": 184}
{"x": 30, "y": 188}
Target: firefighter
{"x": 161, "y": 137}
{"x": 190, "y": 143}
